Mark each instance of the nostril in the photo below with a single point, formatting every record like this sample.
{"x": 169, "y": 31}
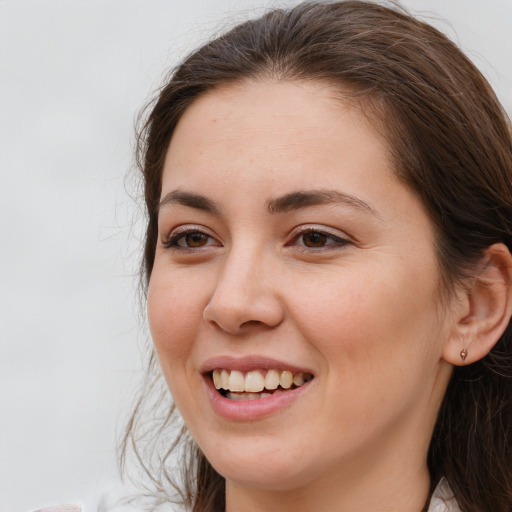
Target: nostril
{"x": 250, "y": 323}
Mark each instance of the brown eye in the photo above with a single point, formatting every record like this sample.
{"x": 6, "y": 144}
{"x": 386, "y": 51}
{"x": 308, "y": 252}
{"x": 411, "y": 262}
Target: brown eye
{"x": 190, "y": 239}
{"x": 314, "y": 239}
{"x": 196, "y": 240}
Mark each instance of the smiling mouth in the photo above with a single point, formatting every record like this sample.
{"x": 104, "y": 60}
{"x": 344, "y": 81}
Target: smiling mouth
{"x": 256, "y": 384}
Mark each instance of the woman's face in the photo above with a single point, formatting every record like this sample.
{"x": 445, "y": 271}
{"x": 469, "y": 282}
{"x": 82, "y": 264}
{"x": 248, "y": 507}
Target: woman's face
{"x": 287, "y": 252}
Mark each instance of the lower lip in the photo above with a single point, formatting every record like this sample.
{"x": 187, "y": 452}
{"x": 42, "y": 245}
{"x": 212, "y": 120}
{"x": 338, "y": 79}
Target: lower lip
{"x": 247, "y": 410}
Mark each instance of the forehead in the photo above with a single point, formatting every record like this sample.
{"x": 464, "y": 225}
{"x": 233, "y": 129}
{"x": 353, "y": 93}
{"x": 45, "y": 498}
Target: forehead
{"x": 257, "y": 127}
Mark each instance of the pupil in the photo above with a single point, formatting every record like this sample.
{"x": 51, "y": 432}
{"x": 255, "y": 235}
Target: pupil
{"x": 314, "y": 239}
{"x": 196, "y": 239}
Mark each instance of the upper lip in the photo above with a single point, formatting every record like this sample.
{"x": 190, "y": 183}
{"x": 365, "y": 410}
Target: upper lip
{"x": 249, "y": 363}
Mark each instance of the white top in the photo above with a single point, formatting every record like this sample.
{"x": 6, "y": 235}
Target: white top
{"x": 442, "y": 501}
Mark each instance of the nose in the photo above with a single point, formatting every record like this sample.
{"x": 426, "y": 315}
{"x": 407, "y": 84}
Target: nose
{"x": 245, "y": 296}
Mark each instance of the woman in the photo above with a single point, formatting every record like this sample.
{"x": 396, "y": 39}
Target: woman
{"x": 328, "y": 269}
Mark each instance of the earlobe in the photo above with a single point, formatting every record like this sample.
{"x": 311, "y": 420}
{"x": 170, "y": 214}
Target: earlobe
{"x": 485, "y": 311}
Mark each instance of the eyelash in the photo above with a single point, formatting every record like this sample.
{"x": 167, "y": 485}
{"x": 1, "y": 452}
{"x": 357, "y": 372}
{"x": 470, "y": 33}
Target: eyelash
{"x": 337, "y": 242}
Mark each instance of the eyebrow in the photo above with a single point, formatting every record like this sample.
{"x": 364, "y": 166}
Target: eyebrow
{"x": 189, "y": 199}
{"x": 306, "y": 198}
{"x": 288, "y": 202}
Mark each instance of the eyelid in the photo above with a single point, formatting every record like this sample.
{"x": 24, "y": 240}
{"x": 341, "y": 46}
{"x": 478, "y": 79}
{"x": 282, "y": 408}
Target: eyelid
{"x": 326, "y": 230}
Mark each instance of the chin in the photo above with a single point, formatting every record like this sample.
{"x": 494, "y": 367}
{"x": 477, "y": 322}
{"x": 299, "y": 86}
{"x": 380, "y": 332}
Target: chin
{"x": 267, "y": 477}
{"x": 262, "y": 464}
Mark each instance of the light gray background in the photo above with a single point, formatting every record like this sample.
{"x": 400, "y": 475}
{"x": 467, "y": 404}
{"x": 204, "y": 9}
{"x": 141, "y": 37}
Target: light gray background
{"x": 72, "y": 76}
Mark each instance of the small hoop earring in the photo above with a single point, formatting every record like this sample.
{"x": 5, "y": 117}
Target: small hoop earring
{"x": 464, "y": 353}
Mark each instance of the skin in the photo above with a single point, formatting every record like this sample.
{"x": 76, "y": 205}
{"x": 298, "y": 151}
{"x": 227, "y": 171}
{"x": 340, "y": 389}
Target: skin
{"x": 361, "y": 312}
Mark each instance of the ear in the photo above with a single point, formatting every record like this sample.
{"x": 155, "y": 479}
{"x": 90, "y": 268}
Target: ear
{"x": 483, "y": 312}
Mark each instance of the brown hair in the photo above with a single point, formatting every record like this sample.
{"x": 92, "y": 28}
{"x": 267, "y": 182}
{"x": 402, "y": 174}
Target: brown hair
{"x": 451, "y": 144}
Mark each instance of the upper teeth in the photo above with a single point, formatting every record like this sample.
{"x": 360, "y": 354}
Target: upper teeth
{"x": 257, "y": 380}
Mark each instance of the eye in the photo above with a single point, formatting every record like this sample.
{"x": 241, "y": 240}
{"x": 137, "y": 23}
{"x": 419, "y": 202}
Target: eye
{"x": 312, "y": 238}
{"x": 189, "y": 238}
{"x": 192, "y": 240}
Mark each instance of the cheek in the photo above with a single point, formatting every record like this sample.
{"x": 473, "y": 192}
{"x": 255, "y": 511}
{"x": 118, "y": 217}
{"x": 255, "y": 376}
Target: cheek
{"x": 372, "y": 336}
{"x": 174, "y": 313}
{"x": 370, "y": 324}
